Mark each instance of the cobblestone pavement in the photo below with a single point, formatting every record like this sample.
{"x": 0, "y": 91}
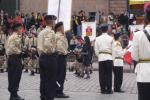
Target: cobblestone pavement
{"x": 78, "y": 89}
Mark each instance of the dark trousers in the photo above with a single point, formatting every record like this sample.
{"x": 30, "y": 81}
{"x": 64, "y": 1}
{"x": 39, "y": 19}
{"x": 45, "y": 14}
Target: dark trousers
{"x": 14, "y": 73}
{"x": 143, "y": 91}
{"x": 48, "y": 72}
{"x": 118, "y": 78}
{"x": 105, "y": 75}
{"x": 61, "y": 74}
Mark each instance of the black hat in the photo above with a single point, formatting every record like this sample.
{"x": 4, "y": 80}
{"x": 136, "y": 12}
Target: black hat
{"x": 117, "y": 35}
{"x": 50, "y": 17}
{"x": 59, "y": 24}
{"x": 16, "y": 25}
{"x": 104, "y": 27}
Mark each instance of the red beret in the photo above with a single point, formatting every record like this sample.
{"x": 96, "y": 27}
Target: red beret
{"x": 147, "y": 7}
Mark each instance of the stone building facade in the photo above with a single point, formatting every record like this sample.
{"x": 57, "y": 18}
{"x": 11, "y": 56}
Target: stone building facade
{"x": 28, "y": 6}
{"x": 116, "y": 6}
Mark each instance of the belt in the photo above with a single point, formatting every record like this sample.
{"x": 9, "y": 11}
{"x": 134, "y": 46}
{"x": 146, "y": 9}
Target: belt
{"x": 49, "y": 54}
{"x": 14, "y": 55}
{"x": 105, "y": 53}
{"x": 144, "y": 61}
{"x": 119, "y": 58}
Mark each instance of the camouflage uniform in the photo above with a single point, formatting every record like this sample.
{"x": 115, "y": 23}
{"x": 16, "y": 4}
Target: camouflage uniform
{"x": 33, "y": 62}
{"x": 14, "y": 62}
{"x": 47, "y": 62}
{"x": 26, "y": 51}
{"x": 2, "y": 51}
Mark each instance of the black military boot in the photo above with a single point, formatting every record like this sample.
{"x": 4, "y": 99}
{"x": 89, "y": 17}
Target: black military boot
{"x": 32, "y": 73}
{"x": 2, "y": 70}
{"x": 15, "y": 97}
{"x": 26, "y": 71}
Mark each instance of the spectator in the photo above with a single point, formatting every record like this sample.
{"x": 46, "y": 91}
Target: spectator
{"x": 73, "y": 42}
{"x": 32, "y": 21}
{"x": 87, "y": 56}
{"x": 39, "y": 20}
{"x": 74, "y": 24}
{"x": 27, "y": 22}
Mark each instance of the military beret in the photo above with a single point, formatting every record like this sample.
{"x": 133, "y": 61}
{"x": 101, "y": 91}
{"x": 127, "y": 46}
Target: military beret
{"x": 147, "y": 7}
{"x": 50, "y": 17}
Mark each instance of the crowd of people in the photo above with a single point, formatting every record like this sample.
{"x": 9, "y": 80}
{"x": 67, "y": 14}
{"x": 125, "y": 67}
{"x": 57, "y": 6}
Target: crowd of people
{"x": 36, "y": 43}
{"x": 35, "y": 48}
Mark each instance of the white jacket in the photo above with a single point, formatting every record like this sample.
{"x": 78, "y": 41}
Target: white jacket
{"x": 104, "y": 43}
{"x": 141, "y": 50}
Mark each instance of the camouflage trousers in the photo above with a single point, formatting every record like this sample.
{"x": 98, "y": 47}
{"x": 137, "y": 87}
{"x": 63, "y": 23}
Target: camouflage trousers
{"x": 2, "y": 62}
{"x": 81, "y": 70}
{"x": 25, "y": 62}
{"x": 78, "y": 67}
{"x": 33, "y": 64}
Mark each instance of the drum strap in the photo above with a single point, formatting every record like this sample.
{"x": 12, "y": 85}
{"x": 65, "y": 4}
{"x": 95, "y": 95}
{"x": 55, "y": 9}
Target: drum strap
{"x": 147, "y": 34}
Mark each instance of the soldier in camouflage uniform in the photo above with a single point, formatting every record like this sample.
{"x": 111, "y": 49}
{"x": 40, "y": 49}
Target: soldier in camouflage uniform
{"x": 33, "y": 54}
{"x": 2, "y": 50}
{"x": 13, "y": 51}
{"x": 48, "y": 59}
{"x": 26, "y": 49}
{"x": 62, "y": 49}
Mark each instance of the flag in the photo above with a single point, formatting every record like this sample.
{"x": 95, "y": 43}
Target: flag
{"x": 127, "y": 57}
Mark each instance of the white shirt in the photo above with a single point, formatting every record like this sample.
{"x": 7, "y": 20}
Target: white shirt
{"x": 110, "y": 18}
{"x": 104, "y": 43}
{"x": 141, "y": 50}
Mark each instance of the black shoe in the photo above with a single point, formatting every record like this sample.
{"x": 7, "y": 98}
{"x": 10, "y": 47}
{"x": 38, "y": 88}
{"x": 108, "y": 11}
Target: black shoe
{"x": 103, "y": 92}
{"x": 109, "y": 92}
{"x": 2, "y": 70}
{"x": 119, "y": 91}
{"x": 61, "y": 96}
{"x": 16, "y": 98}
{"x": 91, "y": 71}
{"x": 26, "y": 71}
{"x": 32, "y": 73}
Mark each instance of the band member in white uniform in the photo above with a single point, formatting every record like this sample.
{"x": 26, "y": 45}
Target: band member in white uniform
{"x": 104, "y": 49}
{"x": 141, "y": 54}
{"x": 118, "y": 63}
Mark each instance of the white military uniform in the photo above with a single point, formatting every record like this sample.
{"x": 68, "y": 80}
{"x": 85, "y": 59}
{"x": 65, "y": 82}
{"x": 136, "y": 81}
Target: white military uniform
{"x": 104, "y": 47}
{"x": 141, "y": 54}
{"x": 118, "y": 54}
{"x": 104, "y": 50}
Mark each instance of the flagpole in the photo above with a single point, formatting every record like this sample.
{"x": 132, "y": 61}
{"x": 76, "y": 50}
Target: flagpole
{"x": 59, "y": 10}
